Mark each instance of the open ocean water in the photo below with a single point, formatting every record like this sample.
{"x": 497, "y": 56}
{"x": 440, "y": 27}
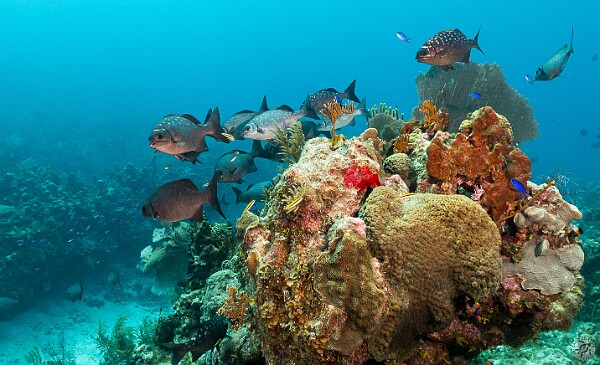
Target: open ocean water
{"x": 83, "y": 83}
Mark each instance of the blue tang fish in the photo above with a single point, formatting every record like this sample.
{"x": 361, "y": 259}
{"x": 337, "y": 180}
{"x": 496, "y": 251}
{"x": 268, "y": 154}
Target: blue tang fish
{"x": 475, "y": 95}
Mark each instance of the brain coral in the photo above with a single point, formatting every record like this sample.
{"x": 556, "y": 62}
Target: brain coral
{"x": 445, "y": 244}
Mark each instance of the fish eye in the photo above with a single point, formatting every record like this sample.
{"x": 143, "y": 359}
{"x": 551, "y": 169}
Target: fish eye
{"x": 247, "y": 128}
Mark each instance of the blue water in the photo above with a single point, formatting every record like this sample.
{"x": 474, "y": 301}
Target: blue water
{"x": 82, "y": 83}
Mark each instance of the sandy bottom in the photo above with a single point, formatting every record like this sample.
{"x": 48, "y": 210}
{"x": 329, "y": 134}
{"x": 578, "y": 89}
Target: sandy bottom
{"x": 45, "y": 324}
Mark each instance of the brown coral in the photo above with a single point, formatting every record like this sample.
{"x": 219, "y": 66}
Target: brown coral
{"x": 481, "y": 156}
{"x": 446, "y": 244}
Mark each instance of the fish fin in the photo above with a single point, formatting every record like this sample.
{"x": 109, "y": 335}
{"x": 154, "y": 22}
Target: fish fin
{"x": 572, "y": 40}
{"x": 191, "y": 118}
{"x": 81, "y": 287}
{"x": 263, "y": 106}
{"x": 476, "y": 41}
{"x": 258, "y": 150}
{"x": 349, "y": 92}
{"x": 331, "y": 90}
{"x": 307, "y": 110}
{"x": 240, "y": 181}
{"x": 213, "y": 126}
{"x": 211, "y": 196}
{"x": 285, "y": 107}
{"x": 245, "y": 111}
{"x": 238, "y": 194}
{"x": 208, "y": 114}
{"x": 198, "y": 215}
{"x": 362, "y": 107}
{"x": 465, "y": 59}
{"x": 191, "y": 156}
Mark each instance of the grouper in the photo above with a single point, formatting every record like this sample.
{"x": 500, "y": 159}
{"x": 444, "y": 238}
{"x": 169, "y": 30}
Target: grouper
{"x": 447, "y": 47}
{"x": 555, "y": 65}
{"x": 182, "y": 135}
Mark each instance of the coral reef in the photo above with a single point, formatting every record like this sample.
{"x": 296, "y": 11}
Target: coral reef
{"x": 386, "y": 120}
{"x": 360, "y": 271}
{"x": 481, "y": 159}
{"x": 451, "y": 89}
{"x": 48, "y": 216}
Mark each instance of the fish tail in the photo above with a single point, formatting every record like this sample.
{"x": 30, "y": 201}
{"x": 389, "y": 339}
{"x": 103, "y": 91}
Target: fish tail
{"x": 213, "y": 126}
{"x": 238, "y": 194}
{"x": 258, "y": 150}
{"x": 572, "y": 40}
{"x": 363, "y": 108}
{"x": 307, "y": 110}
{"x": 349, "y": 93}
{"x": 476, "y": 41}
{"x": 211, "y": 196}
{"x": 263, "y": 106}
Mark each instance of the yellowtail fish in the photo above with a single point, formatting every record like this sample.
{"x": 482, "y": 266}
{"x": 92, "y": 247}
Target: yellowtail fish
{"x": 293, "y": 205}
{"x": 249, "y": 205}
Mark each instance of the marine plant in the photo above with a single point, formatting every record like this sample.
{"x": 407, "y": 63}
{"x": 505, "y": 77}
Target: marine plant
{"x": 116, "y": 346}
{"x": 234, "y": 307}
{"x": 450, "y": 90}
{"x": 56, "y": 353}
{"x": 290, "y": 142}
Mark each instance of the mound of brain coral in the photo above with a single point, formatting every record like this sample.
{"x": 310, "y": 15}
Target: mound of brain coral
{"x": 348, "y": 265}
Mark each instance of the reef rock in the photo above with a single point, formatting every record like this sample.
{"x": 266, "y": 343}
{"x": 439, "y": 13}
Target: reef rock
{"x": 551, "y": 271}
{"x": 338, "y": 275}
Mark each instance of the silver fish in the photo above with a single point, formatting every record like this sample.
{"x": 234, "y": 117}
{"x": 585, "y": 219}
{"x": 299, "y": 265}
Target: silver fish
{"x": 253, "y": 192}
{"x": 555, "y": 65}
{"x": 263, "y": 126}
{"x": 235, "y": 124}
{"x": 183, "y": 135}
{"x": 348, "y": 119}
{"x": 181, "y": 199}
{"x": 75, "y": 291}
{"x": 447, "y": 47}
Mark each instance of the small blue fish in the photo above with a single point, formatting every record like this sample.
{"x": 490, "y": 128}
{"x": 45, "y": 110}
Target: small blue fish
{"x": 529, "y": 79}
{"x": 403, "y": 37}
{"x": 520, "y": 188}
{"x": 337, "y": 99}
{"x": 475, "y": 95}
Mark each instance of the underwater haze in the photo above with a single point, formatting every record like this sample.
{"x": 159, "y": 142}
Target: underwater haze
{"x": 83, "y": 84}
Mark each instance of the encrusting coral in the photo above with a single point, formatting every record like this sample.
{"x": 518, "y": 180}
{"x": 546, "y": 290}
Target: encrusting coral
{"x": 479, "y": 158}
{"x": 451, "y": 89}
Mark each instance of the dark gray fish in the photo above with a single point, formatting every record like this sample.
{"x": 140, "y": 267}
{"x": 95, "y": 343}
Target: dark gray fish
{"x": 183, "y": 135}
{"x": 322, "y": 97}
{"x": 348, "y": 119}
{"x": 263, "y": 126}
{"x": 181, "y": 199}
{"x": 75, "y": 291}
{"x": 310, "y": 130}
{"x": 447, "y": 47}
{"x": 555, "y": 65}
{"x": 114, "y": 279}
{"x": 201, "y": 339}
{"x": 234, "y": 165}
{"x": 253, "y": 192}
{"x": 235, "y": 124}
